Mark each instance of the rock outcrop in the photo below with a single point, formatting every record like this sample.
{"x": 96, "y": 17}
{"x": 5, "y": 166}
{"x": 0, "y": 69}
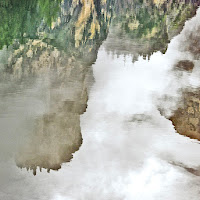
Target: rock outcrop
{"x": 187, "y": 118}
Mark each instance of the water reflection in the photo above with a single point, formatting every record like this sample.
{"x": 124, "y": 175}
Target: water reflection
{"x": 53, "y": 67}
{"x": 48, "y": 48}
{"x": 143, "y": 28}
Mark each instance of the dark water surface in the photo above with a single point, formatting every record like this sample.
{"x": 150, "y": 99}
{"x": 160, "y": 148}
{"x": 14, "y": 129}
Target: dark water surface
{"x": 90, "y": 87}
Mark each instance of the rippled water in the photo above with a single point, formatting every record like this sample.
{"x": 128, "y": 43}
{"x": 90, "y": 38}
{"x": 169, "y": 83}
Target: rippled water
{"x": 102, "y": 95}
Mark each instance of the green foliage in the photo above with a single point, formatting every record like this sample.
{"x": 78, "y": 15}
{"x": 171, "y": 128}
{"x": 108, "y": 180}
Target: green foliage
{"x": 20, "y": 19}
{"x": 49, "y": 9}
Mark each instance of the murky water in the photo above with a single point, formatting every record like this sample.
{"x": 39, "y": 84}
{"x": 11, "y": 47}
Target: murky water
{"x": 101, "y": 94}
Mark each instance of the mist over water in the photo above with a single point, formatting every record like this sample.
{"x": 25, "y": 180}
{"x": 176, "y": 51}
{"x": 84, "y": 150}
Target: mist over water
{"x": 110, "y": 120}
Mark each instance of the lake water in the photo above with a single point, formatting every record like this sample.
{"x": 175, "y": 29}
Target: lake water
{"x": 99, "y": 100}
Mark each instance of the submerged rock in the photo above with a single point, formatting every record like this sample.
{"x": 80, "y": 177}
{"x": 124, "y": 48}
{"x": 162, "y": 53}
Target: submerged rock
{"x": 186, "y": 120}
{"x": 185, "y": 65}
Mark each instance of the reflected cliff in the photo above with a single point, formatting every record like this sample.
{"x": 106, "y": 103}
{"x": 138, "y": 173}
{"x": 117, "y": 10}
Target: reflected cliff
{"x": 147, "y": 26}
{"x": 52, "y": 62}
{"x": 186, "y": 117}
{"x": 48, "y": 48}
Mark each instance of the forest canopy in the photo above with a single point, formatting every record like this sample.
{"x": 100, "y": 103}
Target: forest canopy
{"x": 21, "y": 19}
